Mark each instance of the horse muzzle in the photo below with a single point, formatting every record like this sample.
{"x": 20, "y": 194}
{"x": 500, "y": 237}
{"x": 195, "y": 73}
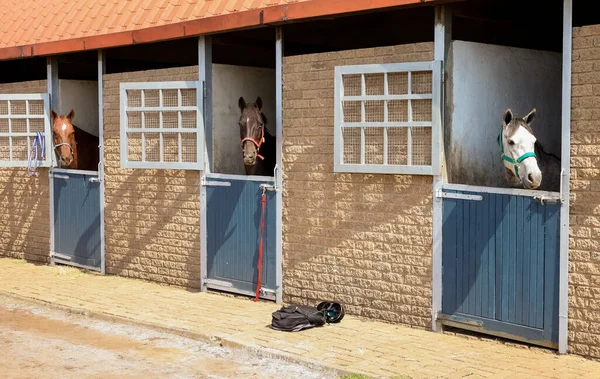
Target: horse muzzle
{"x": 250, "y": 161}
{"x": 250, "y": 156}
{"x": 60, "y": 150}
{"x": 66, "y": 161}
{"x": 532, "y": 181}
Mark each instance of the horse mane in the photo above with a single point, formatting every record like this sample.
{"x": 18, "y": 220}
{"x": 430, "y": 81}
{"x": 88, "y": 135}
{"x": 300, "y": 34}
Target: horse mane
{"x": 83, "y": 137}
{"x": 538, "y": 146}
{"x": 78, "y": 130}
{"x": 265, "y": 122}
{"x": 514, "y": 126}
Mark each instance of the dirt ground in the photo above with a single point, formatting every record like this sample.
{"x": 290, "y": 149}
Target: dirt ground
{"x": 37, "y": 341}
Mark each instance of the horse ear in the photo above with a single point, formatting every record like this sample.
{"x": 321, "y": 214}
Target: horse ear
{"x": 242, "y": 103}
{"x": 52, "y": 114}
{"x": 259, "y": 103}
{"x": 508, "y": 116}
{"x": 529, "y": 118}
{"x": 71, "y": 115}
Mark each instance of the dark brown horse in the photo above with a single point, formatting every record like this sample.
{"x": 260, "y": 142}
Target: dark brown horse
{"x": 258, "y": 145}
{"x": 77, "y": 149}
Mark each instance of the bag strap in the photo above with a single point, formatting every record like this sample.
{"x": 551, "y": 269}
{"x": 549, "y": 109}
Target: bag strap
{"x": 315, "y": 316}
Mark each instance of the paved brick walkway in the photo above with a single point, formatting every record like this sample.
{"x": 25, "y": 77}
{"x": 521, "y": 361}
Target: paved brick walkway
{"x": 353, "y": 345}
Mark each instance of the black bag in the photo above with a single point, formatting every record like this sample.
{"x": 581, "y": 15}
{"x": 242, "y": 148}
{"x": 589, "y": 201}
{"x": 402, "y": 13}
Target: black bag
{"x": 295, "y": 318}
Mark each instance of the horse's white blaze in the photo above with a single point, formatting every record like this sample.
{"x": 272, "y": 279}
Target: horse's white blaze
{"x": 64, "y": 127}
{"x": 523, "y": 142}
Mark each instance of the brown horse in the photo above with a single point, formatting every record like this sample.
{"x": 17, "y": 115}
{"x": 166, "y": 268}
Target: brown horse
{"x": 77, "y": 149}
{"x": 258, "y": 145}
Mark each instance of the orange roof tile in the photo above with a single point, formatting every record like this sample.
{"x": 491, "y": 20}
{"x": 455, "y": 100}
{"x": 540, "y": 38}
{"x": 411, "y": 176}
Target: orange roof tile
{"x": 42, "y": 27}
{"x": 27, "y": 22}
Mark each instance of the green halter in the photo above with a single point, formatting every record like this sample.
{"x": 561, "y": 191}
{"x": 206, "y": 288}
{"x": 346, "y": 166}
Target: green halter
{"x": 516, "y": 163}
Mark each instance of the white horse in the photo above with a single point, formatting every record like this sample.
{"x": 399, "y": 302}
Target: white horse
{"x": 526, "y": 162}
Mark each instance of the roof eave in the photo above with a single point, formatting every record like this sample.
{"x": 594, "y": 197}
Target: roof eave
{"x": 265, "y": 16}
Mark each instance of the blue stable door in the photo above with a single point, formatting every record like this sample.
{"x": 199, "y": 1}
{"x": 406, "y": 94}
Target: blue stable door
{"x": 233, "y": 232}
{"x": 77, "y": 218}
{"x": 501, "y": 265}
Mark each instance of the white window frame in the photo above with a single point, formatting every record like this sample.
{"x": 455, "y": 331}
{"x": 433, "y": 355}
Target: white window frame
{"x": 199, "y": 130}
{"x": 47, "y": 158}
{"x": 435, "y": 124}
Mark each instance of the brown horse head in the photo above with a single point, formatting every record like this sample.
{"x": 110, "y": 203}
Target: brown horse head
{"x": 252, "y": 129}
{"x": 63, "y": 132}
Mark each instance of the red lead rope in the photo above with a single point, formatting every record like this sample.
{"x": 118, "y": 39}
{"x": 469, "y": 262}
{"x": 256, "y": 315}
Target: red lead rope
{"x": 260, "y": 246}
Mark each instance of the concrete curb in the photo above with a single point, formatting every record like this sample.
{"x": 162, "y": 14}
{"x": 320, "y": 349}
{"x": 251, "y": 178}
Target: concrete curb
{"x": 223, "y": 340}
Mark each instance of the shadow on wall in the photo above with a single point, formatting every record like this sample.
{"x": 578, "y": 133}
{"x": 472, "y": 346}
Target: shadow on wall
{"x": 152, "y": 217}
{"x": 148, "y": 235}
{"x": 25, "y": 222}
{"x": 151, "y": 236}
{"x": 24, "y": 201}
{"x": 363, "y": 240}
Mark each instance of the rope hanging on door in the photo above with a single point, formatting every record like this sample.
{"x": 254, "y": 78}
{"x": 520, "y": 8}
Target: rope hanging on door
{"x": 260, "y": 246}
{"x": 38, "y": 150}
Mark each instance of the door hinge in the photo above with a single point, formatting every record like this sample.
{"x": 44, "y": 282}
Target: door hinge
{"x": 459, "y": 196}
{"x": 215, "y": 282}
{"x": 459, "y": 320}
{"x": 267, "y": 290}
{"x": 213, "y": 183}
{"x": 59, "y": 256}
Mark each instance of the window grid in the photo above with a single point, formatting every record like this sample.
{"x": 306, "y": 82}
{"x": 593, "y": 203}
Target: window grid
{"x": 384, "y": 118}
{"x": 154, "y": 131}
{"x": 22, "y": 116}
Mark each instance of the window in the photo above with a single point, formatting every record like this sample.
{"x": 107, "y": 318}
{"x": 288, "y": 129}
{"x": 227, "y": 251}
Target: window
{"x": 161, "y": 125}
{"x": 388, "y": 118}
{"x": 24, "y": 117}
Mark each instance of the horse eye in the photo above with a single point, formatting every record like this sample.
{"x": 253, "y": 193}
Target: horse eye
{"x": 511, "y": 142}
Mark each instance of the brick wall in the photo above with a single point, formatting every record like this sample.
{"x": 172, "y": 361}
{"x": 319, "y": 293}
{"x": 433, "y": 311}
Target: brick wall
{"x": 152, "y": 216}
{"x": 24, "y": 201}
{"x": 364, "y": 240}
{"x": 584, "y": 242}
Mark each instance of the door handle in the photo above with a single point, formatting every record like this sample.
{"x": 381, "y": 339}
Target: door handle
{"x": 95, "y": 180}
{"x": 268, "y": 187}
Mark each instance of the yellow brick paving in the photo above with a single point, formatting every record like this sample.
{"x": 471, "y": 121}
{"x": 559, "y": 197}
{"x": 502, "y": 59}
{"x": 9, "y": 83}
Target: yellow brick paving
{"x": 355, "y": 345}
